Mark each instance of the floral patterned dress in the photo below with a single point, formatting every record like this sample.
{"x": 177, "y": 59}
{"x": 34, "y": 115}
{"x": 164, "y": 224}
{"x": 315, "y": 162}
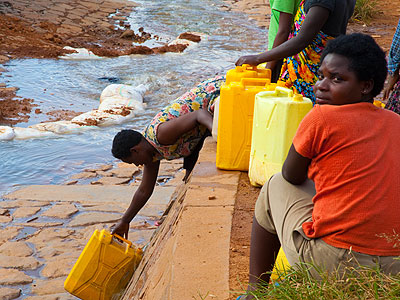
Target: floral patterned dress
{"x": 300, "y": 71}
{"x": 202, "y": 96}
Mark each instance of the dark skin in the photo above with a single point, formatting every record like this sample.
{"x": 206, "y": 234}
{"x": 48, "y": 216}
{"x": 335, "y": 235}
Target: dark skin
{"x": 285, "y": 24}
{"x": 337, "y": 85}
{"x": 392, "y": 79}
{"x": 312, "y": 24}
{"x": 142, "y": 154}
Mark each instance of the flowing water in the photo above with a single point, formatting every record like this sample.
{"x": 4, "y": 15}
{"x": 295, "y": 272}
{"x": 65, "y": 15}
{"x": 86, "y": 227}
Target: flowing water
{"x": 76, "y": 85}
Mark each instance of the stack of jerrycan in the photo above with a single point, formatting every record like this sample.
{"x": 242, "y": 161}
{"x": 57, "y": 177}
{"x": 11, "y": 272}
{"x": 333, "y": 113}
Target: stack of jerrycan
{"x": 235, "y": 117}
{"x": 277, "y": 115}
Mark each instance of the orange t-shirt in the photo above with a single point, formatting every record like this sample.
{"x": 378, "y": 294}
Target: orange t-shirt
{"x": 355, "y": 164}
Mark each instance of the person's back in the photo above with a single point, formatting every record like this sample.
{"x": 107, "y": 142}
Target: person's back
{"x": 355, "y": 169}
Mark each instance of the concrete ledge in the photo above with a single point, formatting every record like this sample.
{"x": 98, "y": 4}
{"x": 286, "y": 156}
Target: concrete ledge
{"x": 188, "y": 258}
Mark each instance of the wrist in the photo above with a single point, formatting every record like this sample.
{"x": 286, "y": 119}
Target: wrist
{"x": 126, "y": 219}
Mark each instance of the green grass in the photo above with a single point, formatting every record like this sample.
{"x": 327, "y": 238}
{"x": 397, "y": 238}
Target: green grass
{"x": 365, "y": 10}
{"x": 361, "y": 283}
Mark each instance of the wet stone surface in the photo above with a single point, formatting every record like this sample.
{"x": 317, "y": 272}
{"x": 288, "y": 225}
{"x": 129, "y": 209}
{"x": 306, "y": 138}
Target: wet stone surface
{"x": 40, "y": 240}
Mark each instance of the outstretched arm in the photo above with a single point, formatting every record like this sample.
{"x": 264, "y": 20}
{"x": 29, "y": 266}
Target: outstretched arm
{"x": 312, "y": 24}
{"x": 139, "y": 199}
{"x": 295, "y": 167}
{"x": 169, "y": 132}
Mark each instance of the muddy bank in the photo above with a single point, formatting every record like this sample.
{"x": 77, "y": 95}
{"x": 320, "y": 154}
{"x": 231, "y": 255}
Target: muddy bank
{"x": 42, "y": 29}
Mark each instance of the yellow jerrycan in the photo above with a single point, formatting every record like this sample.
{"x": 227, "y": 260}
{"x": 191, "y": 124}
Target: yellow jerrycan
{"x": 246, "y": 71}
{"x": 235, "y": 121}
{"x": 104, "y": 267}
{"x": 236, "y": 75}
{"x": 280, "y": 267}
{"x": 277, "y": 115}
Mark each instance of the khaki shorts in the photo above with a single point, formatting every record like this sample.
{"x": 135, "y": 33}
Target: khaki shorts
{"x": 282, "y": 208}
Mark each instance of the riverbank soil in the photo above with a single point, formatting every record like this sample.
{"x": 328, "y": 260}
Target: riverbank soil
{"x": 239, "y": 250}
{"x": 42, "y": 28}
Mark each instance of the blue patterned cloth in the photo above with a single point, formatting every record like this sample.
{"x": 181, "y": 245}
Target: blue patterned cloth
{"x": 394, "y": 54}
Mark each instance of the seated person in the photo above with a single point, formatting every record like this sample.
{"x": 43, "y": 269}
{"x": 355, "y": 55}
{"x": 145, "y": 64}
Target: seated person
{"x": 336, "y": 202}
{"x": 176, "y": 131}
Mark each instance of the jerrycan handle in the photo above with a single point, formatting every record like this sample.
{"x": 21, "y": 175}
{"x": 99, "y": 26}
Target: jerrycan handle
{"x": 255, "y": 81}
{"x": 247, "y": 66}
{"x": 122, "y": 239}
{"x": 284, "y": 90}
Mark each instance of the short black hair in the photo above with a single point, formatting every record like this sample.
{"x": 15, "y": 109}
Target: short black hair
{"x": 367, "y": 59}
{"x": 124, "y": 141}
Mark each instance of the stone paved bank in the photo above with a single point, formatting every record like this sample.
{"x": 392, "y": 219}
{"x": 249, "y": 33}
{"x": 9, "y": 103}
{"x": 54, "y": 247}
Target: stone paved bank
{"x": 44, "y": 228}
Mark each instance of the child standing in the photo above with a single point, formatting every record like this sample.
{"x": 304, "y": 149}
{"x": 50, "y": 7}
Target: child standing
{"x": 282, "y": 13}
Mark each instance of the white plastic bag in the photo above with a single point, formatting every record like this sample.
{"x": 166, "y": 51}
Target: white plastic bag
{"x": 6, "y": 133}
{"x": 31, "y": 133}
{"x": 61, "y": 127}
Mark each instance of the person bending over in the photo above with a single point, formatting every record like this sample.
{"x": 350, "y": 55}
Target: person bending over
{"x": 336, "y": 202}
{"x": 176, "y": 131}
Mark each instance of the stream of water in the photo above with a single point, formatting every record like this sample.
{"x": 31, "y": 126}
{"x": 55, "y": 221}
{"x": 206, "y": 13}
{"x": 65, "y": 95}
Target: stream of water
{"x": 77, "y": 84}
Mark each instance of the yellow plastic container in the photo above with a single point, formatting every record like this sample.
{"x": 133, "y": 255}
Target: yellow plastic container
{"x": 104, "y": 267}
{"x": 246, "y": 71}
{"x": 235, "y": 121}
{"x": 379, "y": 104}
{"x": 280, "y": 267}
{"x": 277, "y": 115}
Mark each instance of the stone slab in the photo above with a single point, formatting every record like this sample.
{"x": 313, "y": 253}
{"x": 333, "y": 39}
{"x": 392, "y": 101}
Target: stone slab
{"x": 48, "y": 286}
{"x": 91, "y": 218}
{"x": 16, "y": 249}
{"x": 23, "y": 212}
{"x": 60, "y": 211}
{"x": 87, "y": 194}
{"x": 13, "y": 277}
{"x": 9, "y": 293}
{"x": 21, "y": 263}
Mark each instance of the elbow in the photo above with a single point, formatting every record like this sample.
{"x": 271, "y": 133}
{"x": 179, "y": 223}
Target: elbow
{"x": 293, "y": 178}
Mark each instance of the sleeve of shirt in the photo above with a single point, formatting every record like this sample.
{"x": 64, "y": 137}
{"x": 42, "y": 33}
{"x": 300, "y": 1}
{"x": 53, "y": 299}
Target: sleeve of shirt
{"x": 328, "y": 4}
{"x": 394, "y": 54}
{"x": 311, "y": 134}
{"x": 286, "y": 6}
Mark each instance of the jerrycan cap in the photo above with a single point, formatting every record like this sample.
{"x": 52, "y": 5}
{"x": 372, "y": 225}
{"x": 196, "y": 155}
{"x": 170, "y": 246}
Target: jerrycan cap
{"x": 298, "y": 97}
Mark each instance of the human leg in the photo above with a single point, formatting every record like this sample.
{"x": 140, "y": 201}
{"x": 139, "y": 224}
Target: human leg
{"x": 281, "y": 208}
{"x": 190, "y": 161}
{"x": 264, "y": 247}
